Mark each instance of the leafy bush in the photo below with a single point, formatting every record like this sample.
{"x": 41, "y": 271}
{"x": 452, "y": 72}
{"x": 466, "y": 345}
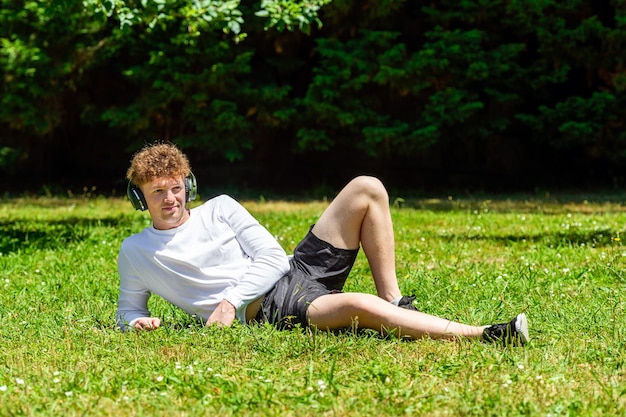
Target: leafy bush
{"x": 481, "y": 86}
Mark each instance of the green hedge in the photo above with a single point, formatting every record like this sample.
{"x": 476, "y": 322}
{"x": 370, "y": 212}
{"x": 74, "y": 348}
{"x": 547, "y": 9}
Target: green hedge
{"x": 482, "y": 86}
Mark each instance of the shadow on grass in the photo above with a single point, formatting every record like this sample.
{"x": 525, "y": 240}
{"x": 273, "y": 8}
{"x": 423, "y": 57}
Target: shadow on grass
{"x": 568, "y": 238}
{"x": 25, "y": 235}
{"x": 561, "y": 204}
{"x": 20, "y": 235}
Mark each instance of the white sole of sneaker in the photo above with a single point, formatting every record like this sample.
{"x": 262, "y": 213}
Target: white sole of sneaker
{"x": 521, "y": 326}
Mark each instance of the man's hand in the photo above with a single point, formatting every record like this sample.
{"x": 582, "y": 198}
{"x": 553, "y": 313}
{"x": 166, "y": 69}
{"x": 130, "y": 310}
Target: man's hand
{"x": 147, "y": 323}
{"x": 224, "y": 314}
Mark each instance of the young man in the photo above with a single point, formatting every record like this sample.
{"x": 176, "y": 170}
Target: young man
{"x": 218, "y": 263}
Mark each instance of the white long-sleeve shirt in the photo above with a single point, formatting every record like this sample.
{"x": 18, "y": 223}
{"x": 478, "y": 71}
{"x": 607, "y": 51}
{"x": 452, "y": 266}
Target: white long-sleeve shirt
{"x": 220, "y": 253}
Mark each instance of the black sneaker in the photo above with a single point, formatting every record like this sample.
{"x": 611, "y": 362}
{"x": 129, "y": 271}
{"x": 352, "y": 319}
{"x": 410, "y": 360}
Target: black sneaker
{"x": 513, "y": 333}
{"x": 407, "y": 302}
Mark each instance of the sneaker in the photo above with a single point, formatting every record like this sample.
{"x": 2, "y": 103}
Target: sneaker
{"x": 513, "y": 333}
{"x": 407, "y": 302}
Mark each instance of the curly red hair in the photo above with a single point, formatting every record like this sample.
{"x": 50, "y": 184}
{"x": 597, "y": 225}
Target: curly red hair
{"x": 159, "y": 160}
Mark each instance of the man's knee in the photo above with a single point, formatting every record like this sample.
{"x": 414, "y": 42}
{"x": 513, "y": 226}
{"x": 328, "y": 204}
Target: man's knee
{"x": 372, "y": 186}
{"x": 361, "y": 303}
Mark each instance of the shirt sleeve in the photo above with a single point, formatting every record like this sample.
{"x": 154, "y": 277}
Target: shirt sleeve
{"x": 269, "y": 260}
{"x": 133, "y": 299}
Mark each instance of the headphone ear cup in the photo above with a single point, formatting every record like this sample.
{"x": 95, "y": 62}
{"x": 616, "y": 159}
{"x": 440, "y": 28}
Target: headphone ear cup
{"x": 136, "y": 197}
{"x": 191, "y": 187}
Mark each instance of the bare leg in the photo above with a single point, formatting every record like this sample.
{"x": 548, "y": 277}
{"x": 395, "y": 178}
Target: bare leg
{"x": 339, "y": 311}
{"x": 360, "y": 215}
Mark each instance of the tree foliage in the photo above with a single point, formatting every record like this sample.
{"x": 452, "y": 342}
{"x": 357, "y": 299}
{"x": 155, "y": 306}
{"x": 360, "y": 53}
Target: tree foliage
{"x": 488, "y": 84}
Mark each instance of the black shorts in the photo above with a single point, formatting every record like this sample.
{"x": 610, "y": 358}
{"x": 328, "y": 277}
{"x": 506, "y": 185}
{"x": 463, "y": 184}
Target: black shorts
{"x": 317, "y": 268}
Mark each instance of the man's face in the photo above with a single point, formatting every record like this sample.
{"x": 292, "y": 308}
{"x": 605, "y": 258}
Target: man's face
{"x": 166, "y": 202}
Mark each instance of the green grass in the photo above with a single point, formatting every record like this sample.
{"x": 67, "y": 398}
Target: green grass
{"x": 477, "y": 261}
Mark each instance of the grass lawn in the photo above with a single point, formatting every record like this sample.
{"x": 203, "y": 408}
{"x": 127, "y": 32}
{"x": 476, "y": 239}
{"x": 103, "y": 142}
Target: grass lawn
{"x": 559, "y": 259}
